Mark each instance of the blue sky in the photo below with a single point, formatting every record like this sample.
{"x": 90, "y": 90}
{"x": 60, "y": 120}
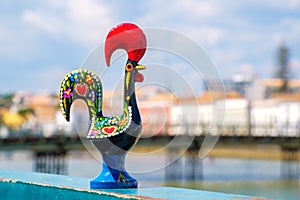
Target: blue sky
{"x": 43, "y": 40}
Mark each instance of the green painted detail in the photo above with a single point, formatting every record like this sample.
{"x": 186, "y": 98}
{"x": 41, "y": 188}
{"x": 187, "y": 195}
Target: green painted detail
{"x": 109, "y": 126}
{"x": 81, "y": 84}
{"x": 86, "y": 85}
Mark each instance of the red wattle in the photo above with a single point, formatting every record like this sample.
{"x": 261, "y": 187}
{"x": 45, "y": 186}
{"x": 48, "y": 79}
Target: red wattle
{"x": 139, "y": 77}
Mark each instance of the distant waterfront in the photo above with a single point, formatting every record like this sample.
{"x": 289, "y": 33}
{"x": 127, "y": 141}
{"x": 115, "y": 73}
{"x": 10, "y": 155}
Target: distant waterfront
{"x": 255, "y": 177}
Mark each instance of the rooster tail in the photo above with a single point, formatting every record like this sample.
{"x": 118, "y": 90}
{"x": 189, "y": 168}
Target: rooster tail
{"x": 81, "y": 84}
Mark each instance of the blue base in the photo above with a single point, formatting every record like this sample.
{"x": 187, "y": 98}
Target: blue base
{"x": 95, "y": 184}
{"x": 105, "y": 180}
{"x": 113, "y": 175}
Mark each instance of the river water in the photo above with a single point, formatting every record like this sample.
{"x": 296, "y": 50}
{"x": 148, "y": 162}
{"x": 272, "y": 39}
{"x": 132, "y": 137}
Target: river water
{"x": 264, "y": 178}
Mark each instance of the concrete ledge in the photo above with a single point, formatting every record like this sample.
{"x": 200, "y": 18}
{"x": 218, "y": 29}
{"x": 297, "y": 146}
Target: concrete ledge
{"x": 26, "y": 185}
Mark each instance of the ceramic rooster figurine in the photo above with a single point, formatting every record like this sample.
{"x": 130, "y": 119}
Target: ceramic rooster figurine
{"x": 113, "y": 136}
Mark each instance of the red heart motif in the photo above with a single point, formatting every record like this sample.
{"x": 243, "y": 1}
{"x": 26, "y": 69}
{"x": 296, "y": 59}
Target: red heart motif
{"x": 109, "y": 130}
{"x": 81, "y": 89}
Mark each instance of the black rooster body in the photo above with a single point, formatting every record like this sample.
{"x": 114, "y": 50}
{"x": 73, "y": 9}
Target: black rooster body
{"x": 113, "y": 136}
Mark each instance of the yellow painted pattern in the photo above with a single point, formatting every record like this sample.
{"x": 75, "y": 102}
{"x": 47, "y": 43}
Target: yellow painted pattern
{"x": 127, "y": 80}
{"x": 121, "y": 176}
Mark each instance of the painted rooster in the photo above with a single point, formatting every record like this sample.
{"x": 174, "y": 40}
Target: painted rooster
{"x": 113, "y": 136}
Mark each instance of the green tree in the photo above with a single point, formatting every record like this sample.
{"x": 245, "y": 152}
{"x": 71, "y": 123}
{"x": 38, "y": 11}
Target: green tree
{"x": 6, "y": 100}
{"x": 13, "y": 120}
{"x": 283, "y": 69}
{"x": 5, "y": 103}
{"x": 26, "y": 111}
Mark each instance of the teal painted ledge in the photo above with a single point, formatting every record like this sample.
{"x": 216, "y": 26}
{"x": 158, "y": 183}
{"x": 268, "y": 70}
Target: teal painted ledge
{"x": 27, "y": 185}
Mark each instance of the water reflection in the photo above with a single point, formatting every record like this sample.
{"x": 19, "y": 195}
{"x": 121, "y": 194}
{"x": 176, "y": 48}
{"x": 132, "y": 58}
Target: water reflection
{"x": 209, "y": 169}
{"x": 244, "y": 176}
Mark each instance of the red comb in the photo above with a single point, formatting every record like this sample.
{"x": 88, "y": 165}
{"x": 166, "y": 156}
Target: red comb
{"x": 125, "y": 36}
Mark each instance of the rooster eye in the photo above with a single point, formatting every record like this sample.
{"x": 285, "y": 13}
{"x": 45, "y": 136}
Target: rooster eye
{"x": 129, "y": 67}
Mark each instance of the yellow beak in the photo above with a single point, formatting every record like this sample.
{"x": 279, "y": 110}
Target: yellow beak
{"x": 140, "y": 67}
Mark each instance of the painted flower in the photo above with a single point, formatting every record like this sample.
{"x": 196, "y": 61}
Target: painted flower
{"x": 72, "y": 78}
{"x": 92, "y": 95}
{"x": 68, "y": 93}
{"x": 88, "y": 79}
{"x": 102, "y": 123}
{"x": 97, "y": 125}
{"x": 114, "y": 120}
{"x": 95, "y": 132}
{"x": 76, "y": 77}
{"x": 123, "y": 121}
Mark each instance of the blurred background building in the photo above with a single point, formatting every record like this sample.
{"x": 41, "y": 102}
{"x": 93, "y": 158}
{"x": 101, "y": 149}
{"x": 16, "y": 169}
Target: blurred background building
{"x": 247, "y": 102}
